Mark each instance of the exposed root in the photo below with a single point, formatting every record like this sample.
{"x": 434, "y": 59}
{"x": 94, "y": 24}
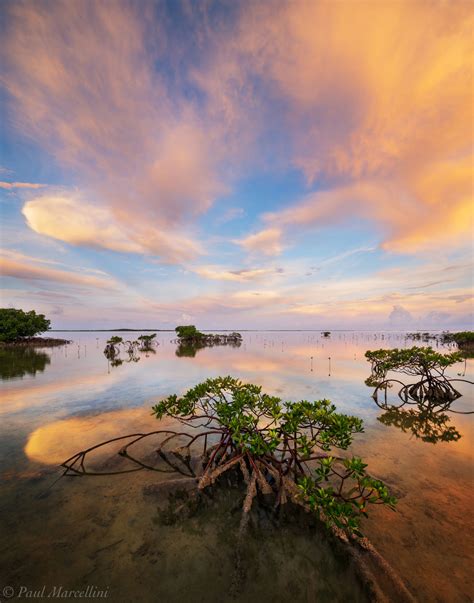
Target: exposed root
{"x": 210, "y": 476}
{"x": 262, "y": 483}
{"x": 251, "y": 493}
{"x": 244, "y": 470}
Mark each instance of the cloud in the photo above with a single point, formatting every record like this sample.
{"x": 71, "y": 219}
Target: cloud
{"x": 29, "y": 272}
{"x": 154, "y": 114}
{"x": 15, "y": 185}
{"x": 16, "y": 255}
{"x": 224, "y": 274}
{"x": 399, "y": 317}
{"x": 69, "y": 220}
{"x": 83, "y": 84}
{"x": 77, "y": 222}
{"x": 266, "y": 242}
{"x": 406, "y": 223}
{"x": 362, "y": 103}
{"x": 267, "y": 87}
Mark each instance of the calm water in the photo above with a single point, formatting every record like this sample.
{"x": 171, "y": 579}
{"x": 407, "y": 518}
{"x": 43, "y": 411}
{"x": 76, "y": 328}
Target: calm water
{"x": 108, "y": 533}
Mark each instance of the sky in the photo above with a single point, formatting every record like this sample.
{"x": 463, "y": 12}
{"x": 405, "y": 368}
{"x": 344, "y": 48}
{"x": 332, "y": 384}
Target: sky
{"x": 251, "y": 164}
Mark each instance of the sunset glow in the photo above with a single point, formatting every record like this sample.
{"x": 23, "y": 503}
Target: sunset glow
{"x": 238, "y": 164}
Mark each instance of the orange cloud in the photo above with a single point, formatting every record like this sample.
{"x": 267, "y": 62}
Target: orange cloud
{"x": 411, "y": 219}
{"x": 375, "y": 99}
{"x": 70, "y": 219}
{"x": 75, "y": 222}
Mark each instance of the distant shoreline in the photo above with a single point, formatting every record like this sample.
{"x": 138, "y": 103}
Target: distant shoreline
{"x": 256, "y": 330}
{"x": 35, "y": 342}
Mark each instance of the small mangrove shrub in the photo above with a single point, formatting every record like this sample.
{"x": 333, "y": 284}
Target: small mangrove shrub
{"x": 188, "y": 332}
{"x": 190, "y": 340}
{"x": 425, "y": 363}
{"x": 283, "y": 449}
{"x": 431, "y": 395}
{"x": 114, "y": 346}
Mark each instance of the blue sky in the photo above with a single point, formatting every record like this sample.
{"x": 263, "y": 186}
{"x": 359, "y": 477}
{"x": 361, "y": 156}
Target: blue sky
{"x": 238, "y": 165}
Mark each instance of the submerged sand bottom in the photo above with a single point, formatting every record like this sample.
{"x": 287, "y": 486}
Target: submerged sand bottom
{"x": 120, "y": 535}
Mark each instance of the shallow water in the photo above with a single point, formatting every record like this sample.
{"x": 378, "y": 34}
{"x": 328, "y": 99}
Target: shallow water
{"x": 105, "y": 532}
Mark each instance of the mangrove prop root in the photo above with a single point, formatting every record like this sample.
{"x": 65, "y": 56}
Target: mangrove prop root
{"x": 228, "y": 425}
{"x": 433, "y": 392}
{"x": 267, "y": 474}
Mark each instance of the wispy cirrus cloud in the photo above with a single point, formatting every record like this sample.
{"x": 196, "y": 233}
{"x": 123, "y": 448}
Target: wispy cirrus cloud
{"x": 399, "y": 154}
{"x": 32, "y": 272}
{"x": 94, "y": 99}
{"x": 20, "y": 185}
{"x": 220, "y": 273}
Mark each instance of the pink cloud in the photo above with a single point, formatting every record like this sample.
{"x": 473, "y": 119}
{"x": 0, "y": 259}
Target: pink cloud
{"x": 235, "y": 275}
{"x": 31, "y": 272}
{"x": 16, "y": 185}
{"x": 266, "y": 242}
{"x": 83, "y": 84}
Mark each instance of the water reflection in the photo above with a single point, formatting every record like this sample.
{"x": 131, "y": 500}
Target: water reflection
{"x": 189, "y": 348}
{"x": 132, "y": 349}
{"x": 16, "y": 362}
{"x": 75, "y": 403}
{"x": 426, "y": 418}
{"x": 52, "y": 443}
{"x": 430, "y": 396}
{"x": 427, "y": 423}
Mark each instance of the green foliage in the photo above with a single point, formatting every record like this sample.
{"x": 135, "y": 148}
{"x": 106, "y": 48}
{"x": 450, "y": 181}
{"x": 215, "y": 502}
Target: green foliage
{"x": 146, "y": 342}
{"x": 190, "y": 343}
{"x": 147, "y": 339}
{"x": 278, "y": 441}
{"x": 188, "y": 332}
{"x": 464, "y": 341}
{"x": 16, "y": 324}
{"x": 342, "y": 512}
{"x": 410, "y": 361}
{"x": 461, "y": 338}
{"x": 240, "y": 407}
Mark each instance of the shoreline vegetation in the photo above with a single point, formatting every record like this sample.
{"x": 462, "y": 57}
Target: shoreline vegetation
{"x": 190, "y": 340}
{"x": 36, "y": 342}
{"x": 463, "y": 339}
{"x": 189, "y": 334}
{"x": 19, "y": 328}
